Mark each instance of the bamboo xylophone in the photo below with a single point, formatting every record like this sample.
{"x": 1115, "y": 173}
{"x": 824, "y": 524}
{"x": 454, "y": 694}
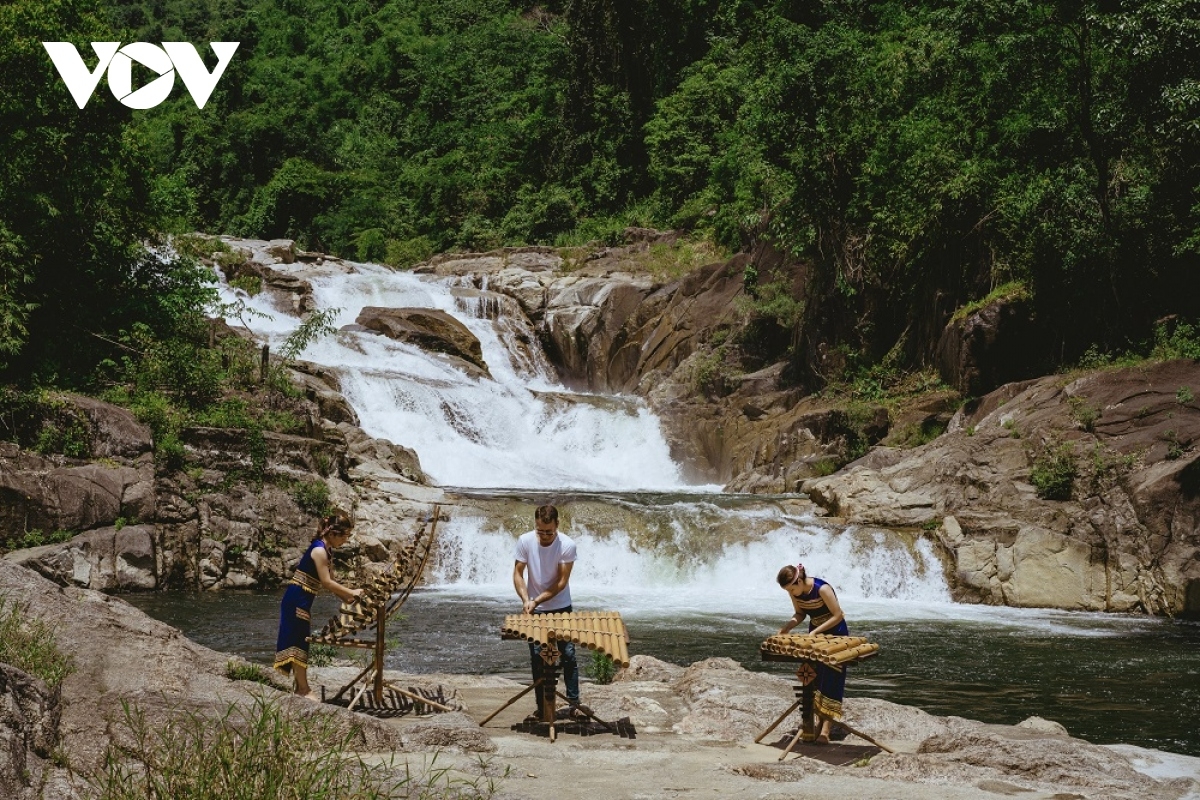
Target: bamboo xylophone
{"x": 401, "y": 576}
{"x": 832, "y": 651}
{"x": 603, "y": 631}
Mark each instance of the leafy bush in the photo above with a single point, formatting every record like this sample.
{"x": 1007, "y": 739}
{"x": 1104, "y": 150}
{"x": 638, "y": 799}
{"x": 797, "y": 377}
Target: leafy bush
{"x": 1181, "y": 340}
{"x": 1053, "y": 472}
{"x": 29, "y": 643}
{"x": 41, "y": 421}
{"x": 600, "y": 668}
{"x": 312, "y": 496}
{"x": 250, "y": 284}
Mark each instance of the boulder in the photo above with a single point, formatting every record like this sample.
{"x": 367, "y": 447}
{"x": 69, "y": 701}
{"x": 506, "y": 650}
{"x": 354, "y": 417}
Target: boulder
{"x": 123, "y": 656}
{"x": 1127, "y": 538}
{"x": 105, "y": 559}
{"x": 992, "y": 346}
{"x": 116, "y": 432}
{"x": 428, "y": 329}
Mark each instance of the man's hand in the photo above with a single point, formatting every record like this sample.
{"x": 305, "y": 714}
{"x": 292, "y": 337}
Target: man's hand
{"x": 529, "y": 606}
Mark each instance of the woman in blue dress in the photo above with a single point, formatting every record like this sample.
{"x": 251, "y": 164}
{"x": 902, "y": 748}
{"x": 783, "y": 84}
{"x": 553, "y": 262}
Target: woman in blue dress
{"x": 313, "y": 572}
{"x": 814, "y": 598}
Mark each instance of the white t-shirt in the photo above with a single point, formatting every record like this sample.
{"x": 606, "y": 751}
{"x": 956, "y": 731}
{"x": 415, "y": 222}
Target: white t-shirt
{"x": 541, "y": 567}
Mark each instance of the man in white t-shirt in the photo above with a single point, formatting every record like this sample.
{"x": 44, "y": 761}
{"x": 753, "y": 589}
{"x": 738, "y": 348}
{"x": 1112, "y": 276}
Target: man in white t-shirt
{"x": 541, "y": 576}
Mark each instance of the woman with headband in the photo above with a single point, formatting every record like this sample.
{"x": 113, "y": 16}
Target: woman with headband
{"x": 313, "y": 572}
{"x": 814, "y": 598}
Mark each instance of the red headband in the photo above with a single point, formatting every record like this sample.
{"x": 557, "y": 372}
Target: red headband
{"x": 799, "y": 569}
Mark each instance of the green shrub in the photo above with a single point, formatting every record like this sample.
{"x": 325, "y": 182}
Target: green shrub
{"x": 250, "y": 284}
{"x": 321, "y": 655}
{"x": 1053, "y": 472}
{"x": 258, "y": 751}
{"x": 409, "y": 252}
{"x": 600, "y": 668}
{"x": 1184, "y": 395}
{"x": 312, "y": 497}
{"x": 1182, "y": 340}
{"x": 773, "y": 301}
{"x": 826, "y": 466}
{"x": 1083, "y": 412}
{"x": 29, "y": 643}
{"x": 41, "y": 421}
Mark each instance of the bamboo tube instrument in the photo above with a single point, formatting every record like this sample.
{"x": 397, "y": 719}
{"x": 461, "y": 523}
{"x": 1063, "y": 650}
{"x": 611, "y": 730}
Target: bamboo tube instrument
{"x": 370, "y": 612}
{"x": 603, "y": 632}
{"x": 809, "y": 650}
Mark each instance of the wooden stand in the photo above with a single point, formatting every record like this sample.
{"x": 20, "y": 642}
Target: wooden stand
{"x": 390, "y": 593}
{"x": 806, "y": 675}
{"x": 547, "y": 686}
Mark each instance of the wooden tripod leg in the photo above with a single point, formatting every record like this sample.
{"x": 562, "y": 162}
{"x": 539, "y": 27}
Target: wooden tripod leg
{"x": 587, "y": 711}
{"x": 792, "y": 743}
{"x": 417, "y": 698}
{"x": 342, "y": 691}
{"x": 515, "y": 698}
{"x": 366, "y": 685}
{"x": 775, "y": 724}
{"x": 862, "y": 735}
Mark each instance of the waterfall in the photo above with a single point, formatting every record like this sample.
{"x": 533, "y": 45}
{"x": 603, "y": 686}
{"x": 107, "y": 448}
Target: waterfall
{"x": 646, "y": 539}
{"x": 519, "y": 430}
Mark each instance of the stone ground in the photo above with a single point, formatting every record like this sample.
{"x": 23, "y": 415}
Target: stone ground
{"x": 667, "y": 764}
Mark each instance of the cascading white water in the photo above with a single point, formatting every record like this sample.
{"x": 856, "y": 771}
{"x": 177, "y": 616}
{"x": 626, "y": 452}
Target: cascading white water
{"x": 866, "y": 566}
{"x": 519, "y": 430}
{"x": 522, "y": 430}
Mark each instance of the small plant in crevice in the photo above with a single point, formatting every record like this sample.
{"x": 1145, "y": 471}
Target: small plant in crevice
{"x": 1053, "y": 471}
{"x": 601, "y": 668}
{"x": 1174, "y": 446}
{"x": 1184, "y": 395}
{"x": 1083, "y": 413}
{"x": 28, "y": 643}
{"x": 321, "y": 655}
{"x": 238, "y": 670}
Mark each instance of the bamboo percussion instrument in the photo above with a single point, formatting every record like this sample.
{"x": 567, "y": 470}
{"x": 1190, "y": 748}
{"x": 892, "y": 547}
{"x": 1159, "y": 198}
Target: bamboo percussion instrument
{"x": 602, "y": 631}
{"x": 386, "y": 592}
{"x": 833, "y": 651}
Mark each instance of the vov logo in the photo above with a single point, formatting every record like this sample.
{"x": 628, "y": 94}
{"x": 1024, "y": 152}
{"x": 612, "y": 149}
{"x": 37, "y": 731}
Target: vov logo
{"x": 172, "y": 57}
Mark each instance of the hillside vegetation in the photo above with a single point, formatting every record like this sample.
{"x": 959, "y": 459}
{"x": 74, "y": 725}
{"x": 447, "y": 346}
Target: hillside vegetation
{"x": 910, "y": 158}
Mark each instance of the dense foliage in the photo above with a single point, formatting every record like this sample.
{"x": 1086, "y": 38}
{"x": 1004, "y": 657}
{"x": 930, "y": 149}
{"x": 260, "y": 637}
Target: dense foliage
{"x": 912, "y": 156}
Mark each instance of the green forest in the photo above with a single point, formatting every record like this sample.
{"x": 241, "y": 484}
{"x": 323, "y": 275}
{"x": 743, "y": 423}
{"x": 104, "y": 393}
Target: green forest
{"x": 912, "y": 156}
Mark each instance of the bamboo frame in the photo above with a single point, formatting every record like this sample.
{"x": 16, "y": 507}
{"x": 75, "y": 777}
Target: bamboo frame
{"x": 352, "y": 618}
{"x": 811, "y": 650}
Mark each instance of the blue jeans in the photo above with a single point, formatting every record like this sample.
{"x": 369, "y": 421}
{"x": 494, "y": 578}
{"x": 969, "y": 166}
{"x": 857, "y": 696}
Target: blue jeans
{"x": 566, "y": 659}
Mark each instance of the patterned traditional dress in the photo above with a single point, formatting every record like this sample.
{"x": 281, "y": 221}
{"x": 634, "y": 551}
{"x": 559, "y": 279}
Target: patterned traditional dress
{"x": 295, "y": 618}
{"x": 831, "y": 681}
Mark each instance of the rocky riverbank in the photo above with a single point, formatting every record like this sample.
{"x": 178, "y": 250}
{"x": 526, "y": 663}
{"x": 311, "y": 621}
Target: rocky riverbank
{"x": 694, "y": 727}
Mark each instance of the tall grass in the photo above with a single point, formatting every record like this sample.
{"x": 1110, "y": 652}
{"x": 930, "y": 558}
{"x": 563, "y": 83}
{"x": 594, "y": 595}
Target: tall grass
{"x": 29, "y": 644}
{"x": 258, "y": 751}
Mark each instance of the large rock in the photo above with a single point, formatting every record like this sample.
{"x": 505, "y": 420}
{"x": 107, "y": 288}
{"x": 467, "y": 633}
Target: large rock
{"x": 726, "y": 701}
{"x": 1128, "y": 538}
{"x": 123, "y": 656}
{"x": 29, "y": 713}
{"x": 106, "y": 559}
{"x": 428, "y": 329}
{"x": 53, "y": 494}
{"x": 995, "y": 345}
